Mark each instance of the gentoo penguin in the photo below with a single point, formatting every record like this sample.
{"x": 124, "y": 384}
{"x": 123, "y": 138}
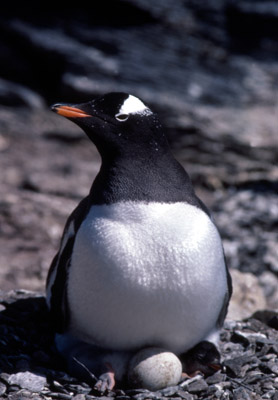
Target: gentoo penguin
{"x": 141, "y": 261}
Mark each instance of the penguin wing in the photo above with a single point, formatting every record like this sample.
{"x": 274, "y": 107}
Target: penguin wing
{"x": 227, "y": 297}
{"x": 56, "y": 283}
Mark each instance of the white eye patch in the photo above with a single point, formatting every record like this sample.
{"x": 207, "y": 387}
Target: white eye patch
{"x": 132, "y": 105}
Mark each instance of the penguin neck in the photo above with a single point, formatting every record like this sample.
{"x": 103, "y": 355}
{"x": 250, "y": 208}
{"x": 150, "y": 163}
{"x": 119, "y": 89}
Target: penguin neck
{"x": 158, "y": 178}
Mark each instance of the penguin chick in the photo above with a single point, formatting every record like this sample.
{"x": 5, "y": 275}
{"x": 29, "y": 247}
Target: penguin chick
{"x": 204, "y": 358}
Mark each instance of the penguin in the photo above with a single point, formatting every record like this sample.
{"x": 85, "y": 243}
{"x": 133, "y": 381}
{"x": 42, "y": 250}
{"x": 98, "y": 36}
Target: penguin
{"x": 141, "y": 261}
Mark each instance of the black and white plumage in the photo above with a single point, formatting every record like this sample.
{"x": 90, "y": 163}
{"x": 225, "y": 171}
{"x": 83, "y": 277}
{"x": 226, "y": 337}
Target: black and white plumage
{"x": 140, "y": 262}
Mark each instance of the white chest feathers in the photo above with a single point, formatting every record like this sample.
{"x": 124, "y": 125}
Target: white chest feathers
{"x": 146, "y": 274}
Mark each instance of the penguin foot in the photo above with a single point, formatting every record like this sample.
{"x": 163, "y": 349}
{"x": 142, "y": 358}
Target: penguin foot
{"x": 101, "y": 368}
{"x": 106, "y": 381}
{"x": 203, "y": 358}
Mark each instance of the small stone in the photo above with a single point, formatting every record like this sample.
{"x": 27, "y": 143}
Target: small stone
{"x": 105, "y": 398}
{"x": 216, "y": 378}
{"x": 79, "y": 397}
{"x": 253, "y": 377}
{"x": 154, "y": 368}
{"x": 275, "y": 397}
{"x": 268, "y": 357}
{"x": 233, "y": 366}
{"x": 211, "y": 390}
{"x": 143, "y": 396}
{"x": 169, "y": 391}
{"x": 184, "y": 395}
{"x": 122, "y": 397}
{"x": 273, "y": 367}
{"x": 223, "y": 385}
{"x": 237, "y": 337}
{"x": 172, "y": 398}
{"x": 3, "y": 388}
{"x": 134, "y": 392}
{"x": 268, "y": 385}
{"x": 26, "y": 394}
{"x": 275, "y": 383}
{"x": 5, "y": 377}
{"x": 62, "y": 396}
{"x": 13, "y": 388}
{"x": 187, "y": 382}
{"x": 197, "y": 386}
{"x": 28, "y": 380}
{"x": 120, "y": 392}
{"x": 241, "y": 394}
{"x": 79, "y": 389}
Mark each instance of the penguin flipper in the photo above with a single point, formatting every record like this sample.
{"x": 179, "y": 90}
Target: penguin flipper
{"x": 56, "y": 284}
{"x": 224, "y": 309}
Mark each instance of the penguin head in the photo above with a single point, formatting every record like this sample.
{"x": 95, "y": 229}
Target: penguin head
{"x": 117, "y": 123}
{"x": 203, "y": 357}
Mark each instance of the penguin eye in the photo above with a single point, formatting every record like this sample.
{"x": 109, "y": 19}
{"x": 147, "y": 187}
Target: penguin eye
{"x": 121, "y": 117}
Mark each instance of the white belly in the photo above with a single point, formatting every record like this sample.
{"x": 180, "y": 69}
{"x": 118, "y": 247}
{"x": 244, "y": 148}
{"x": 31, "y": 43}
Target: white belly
{"x": 146, "y": 274}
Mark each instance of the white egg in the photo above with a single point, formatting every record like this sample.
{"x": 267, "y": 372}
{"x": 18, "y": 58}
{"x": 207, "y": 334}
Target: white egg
{"x": 154, "y": 368}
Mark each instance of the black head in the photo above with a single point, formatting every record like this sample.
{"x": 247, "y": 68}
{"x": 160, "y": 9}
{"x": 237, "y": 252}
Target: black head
{"x": 137, "y": 164}
{"x": 117, "y": 123}
{"x": 203, "y": 357}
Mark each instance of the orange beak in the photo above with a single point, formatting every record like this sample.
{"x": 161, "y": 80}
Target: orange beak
{"x": 69, "y": 112}
{"x": 215, "y": 367}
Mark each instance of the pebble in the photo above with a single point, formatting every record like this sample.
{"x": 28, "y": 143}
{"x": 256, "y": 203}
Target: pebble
{"x": 75, "y": 388}
{"x": 185, "y": 395}
{"x": 3, "y": 388}
{"x": 216, "y": 378}
{"x": 197, "y": 386}
{"x": 28, "y": 380}
{"x": 79, "y": 397}
{"x": 169, "y": 391}
{"x": 241, "y": 394}
{"x": 62, "y": 396}
{"x": 145, "y": 395}
{"x": 134, "y": 392}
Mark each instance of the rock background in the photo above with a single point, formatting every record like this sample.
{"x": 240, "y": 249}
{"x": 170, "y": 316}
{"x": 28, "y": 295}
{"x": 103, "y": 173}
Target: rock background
{"x": 210, "y": 70}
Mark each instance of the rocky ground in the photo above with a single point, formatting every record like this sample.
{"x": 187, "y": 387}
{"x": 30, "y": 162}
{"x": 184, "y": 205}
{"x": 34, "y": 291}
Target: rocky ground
{"x": 210, "y": 70}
